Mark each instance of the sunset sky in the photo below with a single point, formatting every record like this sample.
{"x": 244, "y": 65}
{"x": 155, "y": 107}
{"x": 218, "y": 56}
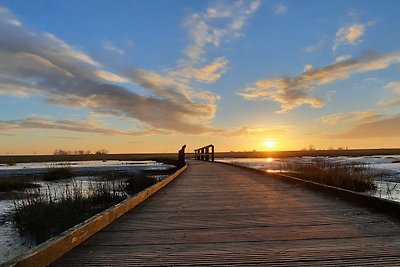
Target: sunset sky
{"x": 150, "y": 76}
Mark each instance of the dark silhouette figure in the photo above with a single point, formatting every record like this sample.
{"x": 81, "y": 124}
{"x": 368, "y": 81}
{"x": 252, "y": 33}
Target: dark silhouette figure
{"x": 181, "y": 157}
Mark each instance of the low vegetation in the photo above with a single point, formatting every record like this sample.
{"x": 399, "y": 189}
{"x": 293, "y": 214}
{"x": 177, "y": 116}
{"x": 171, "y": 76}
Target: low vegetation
{"x": 60, "y": 173}
{"x": 111, "y": 176}
{"x": 137, "y": 183}
{"x": 46, "y": 214}
{"x": 8, "y": 184}
{"x": 42, "y": 213}
{"x": 352, "y": 176}
{"x": 57, "y": 210}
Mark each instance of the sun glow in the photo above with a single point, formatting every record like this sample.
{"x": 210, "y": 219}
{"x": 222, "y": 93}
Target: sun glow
{"x": 269, "y": 144}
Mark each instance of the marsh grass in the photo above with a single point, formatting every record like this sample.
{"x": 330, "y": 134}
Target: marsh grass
{"x": 8, "y": 184}
{"x": 139, "y": 182}
{"x": 59, "y": 209}
{"x": 59, "y": 173}
{"x": 13, "y": 195}
{"x": 387, "y": 187}
{"x": 46, "y": 212}
{"x": 112, "y": 176}
{"x": 353, "y": 176}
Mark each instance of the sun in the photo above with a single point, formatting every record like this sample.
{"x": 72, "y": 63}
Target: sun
{"x": 269, "y": 144}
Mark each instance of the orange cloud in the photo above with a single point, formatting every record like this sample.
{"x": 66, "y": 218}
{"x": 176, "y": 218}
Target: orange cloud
{"x": 363, "y": 116}
{"x": 292, "y": 92}
{"x": 209, "y": 73}
{"x": 394, "y": 100}
{"x": 381, "y": 128}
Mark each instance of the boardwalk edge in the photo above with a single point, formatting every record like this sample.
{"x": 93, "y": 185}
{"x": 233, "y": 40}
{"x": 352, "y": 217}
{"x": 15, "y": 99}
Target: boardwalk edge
{"x": 379, "y": 204}
{"x": 49, "y": 251}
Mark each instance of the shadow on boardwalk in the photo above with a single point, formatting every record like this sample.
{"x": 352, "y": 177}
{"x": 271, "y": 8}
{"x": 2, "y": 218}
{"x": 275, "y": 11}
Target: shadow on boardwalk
{"x": 222, "y": 215}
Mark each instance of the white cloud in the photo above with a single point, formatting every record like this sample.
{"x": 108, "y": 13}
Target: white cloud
{"x": 12, "y": 20}
{"x": 394, "y": 86}
{"x": 108, "y": 76}
{"x": 308, "y": 67}
{"x": 109, "y": 46}
{"x": 280, "y": 9}
{"x": 342, "y": 58}
{"x": 314, "y": 47}
{"x": 292, "y": 92}
{"x": 219, "y": 23}
{"x": 59, "y": 49}
{"x": 395, "y": 99}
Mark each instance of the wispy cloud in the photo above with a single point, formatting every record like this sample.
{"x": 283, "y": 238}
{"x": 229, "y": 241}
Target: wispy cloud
{"x": 108, "y": 76}
{"x": 350, "y": 34}
{"x": 109, "y": 46}
{"x": 208, "y": 73}
{"x": 314, "y": 47}
{"x": 66, "y": 137}
{"x": 83, "y": 126}
{"x": 395, "y": 99}
{"x": 342, "y": 58}
{"x": 363, "y": 116}
{"x": 292, "y": 92}
{"x": 275, "y": 131}
{"x": 40, "y": 63}
{"x": 280, "y": 9}
{"x": 7, "y": 134}
{"x": 384, "y": 127}
{"x": 87, "y": 126}
{"x": 219, "y": 23}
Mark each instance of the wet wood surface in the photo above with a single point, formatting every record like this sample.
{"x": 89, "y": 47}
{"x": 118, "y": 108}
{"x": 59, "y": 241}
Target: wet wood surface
{"x": 216, "y": 214}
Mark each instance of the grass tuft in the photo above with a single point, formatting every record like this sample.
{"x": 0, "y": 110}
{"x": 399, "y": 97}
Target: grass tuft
{"x": 138, "y": 183}
{"x": 352, "y": 176}
{"x": 53, "y": 174}
{"x": 111, "y": 176}
{"x": 49, "y": 214}
{"x": 8, "y": 184}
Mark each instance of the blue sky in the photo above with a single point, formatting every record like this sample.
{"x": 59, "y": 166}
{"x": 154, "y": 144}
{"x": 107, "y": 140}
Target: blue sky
{"x": 148, "y": 76}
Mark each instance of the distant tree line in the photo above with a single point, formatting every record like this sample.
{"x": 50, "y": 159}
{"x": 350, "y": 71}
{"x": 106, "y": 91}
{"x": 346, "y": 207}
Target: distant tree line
{"x": 79, "y": 152}
{"x": 312, "y": 148}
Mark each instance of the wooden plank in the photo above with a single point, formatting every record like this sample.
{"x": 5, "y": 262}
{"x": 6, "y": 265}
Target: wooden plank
{"x": 220, "y": 215}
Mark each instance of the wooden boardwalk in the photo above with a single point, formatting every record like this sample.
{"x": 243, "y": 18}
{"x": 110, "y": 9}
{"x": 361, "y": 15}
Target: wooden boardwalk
{"x": 215, "y": 214}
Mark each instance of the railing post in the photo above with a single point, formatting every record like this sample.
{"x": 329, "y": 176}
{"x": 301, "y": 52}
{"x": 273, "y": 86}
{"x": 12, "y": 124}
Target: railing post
{"x": 181, "y": 156}
{"x": 204, "y": 153}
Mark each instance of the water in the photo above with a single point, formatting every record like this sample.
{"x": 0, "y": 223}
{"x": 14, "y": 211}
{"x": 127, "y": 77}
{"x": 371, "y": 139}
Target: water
{"x": 35, "y": 168}
{"x": 11, "y": 243}
{"x": 386, "y": 169}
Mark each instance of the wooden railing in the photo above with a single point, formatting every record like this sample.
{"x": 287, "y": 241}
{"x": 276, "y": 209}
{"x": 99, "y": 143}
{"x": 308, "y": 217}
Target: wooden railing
{"x": 204, "y": 153}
